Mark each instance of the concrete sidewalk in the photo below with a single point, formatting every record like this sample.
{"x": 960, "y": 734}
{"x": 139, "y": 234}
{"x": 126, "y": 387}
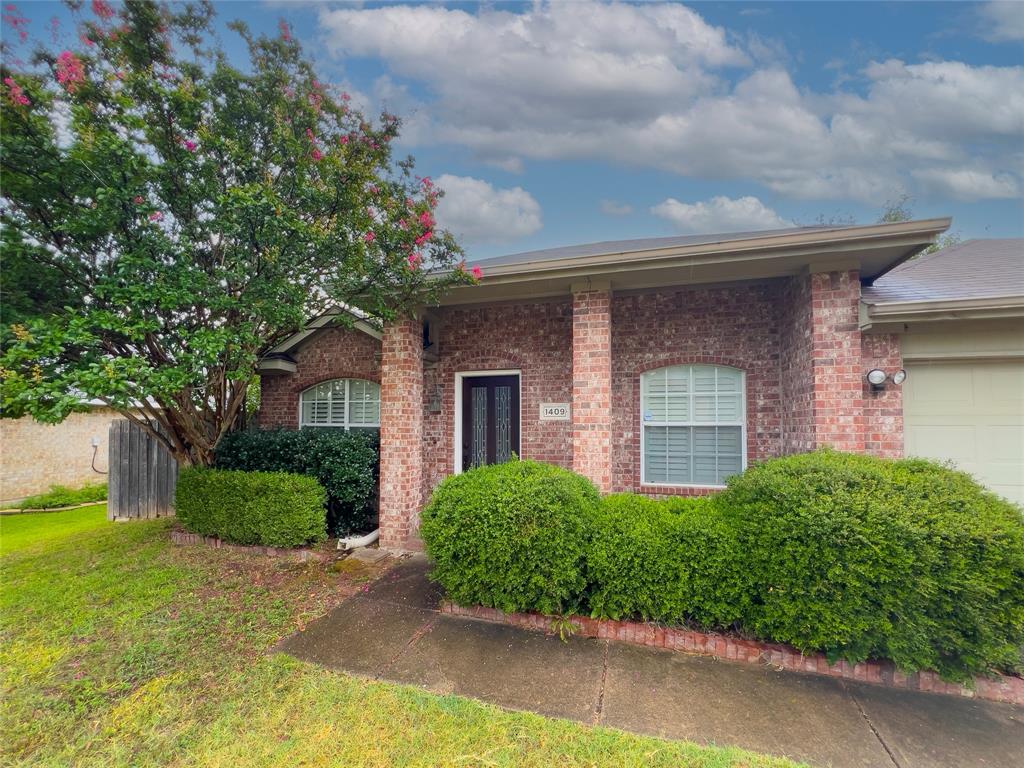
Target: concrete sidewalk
{"x": 394, "y": 632}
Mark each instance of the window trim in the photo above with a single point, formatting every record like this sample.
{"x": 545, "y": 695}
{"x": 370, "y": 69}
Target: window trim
{"x": 741, "y": 423}
{"x": 348, "y": 401}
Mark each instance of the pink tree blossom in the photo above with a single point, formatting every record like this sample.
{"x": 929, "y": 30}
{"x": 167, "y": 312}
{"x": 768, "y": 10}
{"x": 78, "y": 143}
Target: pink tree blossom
{"x": 102, "y": 9}
{"x": 15, "y": 94}
{"x": 156, "y": 216}
{"x": 414, "y": 260}
{"x": 476, "y": 272}
{"x": 13, "y": 18}
{"x": 369, "y": 236}
{"x": 70, "y": 72}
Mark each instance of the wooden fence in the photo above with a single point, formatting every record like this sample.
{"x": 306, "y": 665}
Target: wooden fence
{"x": 142, "y": 474}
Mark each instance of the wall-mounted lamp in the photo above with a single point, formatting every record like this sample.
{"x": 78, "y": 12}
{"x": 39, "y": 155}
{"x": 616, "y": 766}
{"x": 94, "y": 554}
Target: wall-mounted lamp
{"x": 876, "y": 378}
{"x": 434, "y": 404}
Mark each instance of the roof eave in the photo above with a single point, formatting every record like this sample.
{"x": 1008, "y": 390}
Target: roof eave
{"x": 936, "y": 310}
{"x": 819, "y": 240}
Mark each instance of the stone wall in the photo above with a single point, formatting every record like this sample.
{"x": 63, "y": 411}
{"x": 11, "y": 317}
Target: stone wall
{"x": 34, "y": 456}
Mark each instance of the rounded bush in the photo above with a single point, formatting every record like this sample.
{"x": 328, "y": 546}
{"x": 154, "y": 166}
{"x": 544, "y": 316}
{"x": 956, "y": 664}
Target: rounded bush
{"x": 510, "y": 536}
{"x": 865, "y": 557}
{"x": 658, "y": 560}
{"x": 345, "y": 463}
{"x": 275, "y": 509}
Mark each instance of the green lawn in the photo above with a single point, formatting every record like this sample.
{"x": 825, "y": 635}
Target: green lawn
{"x": 118, "y": 648}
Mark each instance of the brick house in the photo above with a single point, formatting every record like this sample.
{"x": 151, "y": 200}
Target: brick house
{"x": 658, "y": 366}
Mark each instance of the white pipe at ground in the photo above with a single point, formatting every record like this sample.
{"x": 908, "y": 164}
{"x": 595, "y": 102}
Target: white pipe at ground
{"x": 355, "y": 542}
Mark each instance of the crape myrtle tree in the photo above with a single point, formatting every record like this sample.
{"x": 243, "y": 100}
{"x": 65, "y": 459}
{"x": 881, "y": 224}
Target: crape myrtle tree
{"x": 189, "y": 213}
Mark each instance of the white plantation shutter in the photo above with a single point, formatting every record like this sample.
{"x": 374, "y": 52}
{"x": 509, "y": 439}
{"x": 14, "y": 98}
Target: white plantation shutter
{"x": 345, "y": 403}
{"x": 692, "y": 424}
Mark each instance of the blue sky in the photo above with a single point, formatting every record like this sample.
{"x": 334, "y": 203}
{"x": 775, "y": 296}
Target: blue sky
{"x": 551, "y": 124}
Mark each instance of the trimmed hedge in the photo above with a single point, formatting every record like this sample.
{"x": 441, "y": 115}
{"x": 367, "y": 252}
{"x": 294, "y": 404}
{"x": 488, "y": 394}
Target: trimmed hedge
{"x": 345, "y": 463}
{"x": 659, "y": 560}
{"x": 274, "y": 509}
{"x": 862, "y": 557}
{"x": 854, "y": 556}
{"x": 510, "y": 536}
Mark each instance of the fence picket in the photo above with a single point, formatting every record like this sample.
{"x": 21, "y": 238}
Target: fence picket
{"x": 142, "y": 474}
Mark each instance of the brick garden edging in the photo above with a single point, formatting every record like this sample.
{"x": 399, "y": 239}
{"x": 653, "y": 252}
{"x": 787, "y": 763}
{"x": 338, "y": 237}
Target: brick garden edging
{"x": 302, "y": 554}
{"x": 1001, "y": 688}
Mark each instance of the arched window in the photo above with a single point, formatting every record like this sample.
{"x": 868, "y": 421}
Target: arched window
{"x": 691, "y": 425}
{"x": 346, "y": 403}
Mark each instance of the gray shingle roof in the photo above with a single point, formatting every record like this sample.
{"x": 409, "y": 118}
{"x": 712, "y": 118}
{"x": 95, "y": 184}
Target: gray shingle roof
{"x": 973, "y": 269}
{"x": 609, "y": 247}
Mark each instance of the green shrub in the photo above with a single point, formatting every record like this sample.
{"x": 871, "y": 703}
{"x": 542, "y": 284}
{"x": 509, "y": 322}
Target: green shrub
{"x": 345, "y": 463}
{"x": 62, "y": 496}
{"x": 660, "y": 560}
{"x": 510, "y": 536}
{"x": 864, "y": 557}
{"x": 632, "y": 559}
{"x": 275, "y": 509}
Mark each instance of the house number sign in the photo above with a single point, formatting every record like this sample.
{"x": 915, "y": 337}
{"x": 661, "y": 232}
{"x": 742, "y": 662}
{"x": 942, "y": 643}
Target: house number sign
{"x": 554, "y": 411}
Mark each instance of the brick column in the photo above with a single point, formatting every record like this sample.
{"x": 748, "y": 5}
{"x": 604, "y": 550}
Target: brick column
{"x": 592, "y": 383}
{"x": 836, "y": 361}
{"x": 883, "y": 410}
{"x": 401, "y": 431}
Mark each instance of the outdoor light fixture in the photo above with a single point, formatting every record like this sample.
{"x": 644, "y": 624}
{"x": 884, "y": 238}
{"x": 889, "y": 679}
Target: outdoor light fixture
{"x": 876, "y": 378}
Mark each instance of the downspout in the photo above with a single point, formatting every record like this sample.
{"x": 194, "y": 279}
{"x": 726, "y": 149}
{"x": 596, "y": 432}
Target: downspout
{"x": 355, "y": 542}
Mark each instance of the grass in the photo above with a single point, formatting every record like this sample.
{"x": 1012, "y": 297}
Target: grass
{"x": 61, "y": 496}
{"x": 119, "y": 649}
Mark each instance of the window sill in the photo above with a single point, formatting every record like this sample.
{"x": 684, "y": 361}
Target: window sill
{"x": 684, "y": 486}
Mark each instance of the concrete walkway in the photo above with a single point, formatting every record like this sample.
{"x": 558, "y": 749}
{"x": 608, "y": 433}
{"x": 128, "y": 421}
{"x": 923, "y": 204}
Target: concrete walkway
{"x": 394, "y": 632}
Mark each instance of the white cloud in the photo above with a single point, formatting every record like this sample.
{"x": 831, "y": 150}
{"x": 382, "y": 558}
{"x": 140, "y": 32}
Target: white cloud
{"x": 1002, "y": 22}
{"x": 719, "y": 214}
{"x": 613, "y": 208}
{"x": 477, "y": 212}
{"x": 968, "y": 183}
{"x": 645, "y": 85}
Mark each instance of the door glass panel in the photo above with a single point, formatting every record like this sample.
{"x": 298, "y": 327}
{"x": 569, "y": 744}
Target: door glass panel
{"x": 502, "y": 424}
{"x": 478, "y": 444}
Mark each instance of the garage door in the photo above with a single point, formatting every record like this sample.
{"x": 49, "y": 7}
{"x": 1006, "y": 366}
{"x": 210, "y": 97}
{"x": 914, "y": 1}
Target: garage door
{"x": 971, "y": 413}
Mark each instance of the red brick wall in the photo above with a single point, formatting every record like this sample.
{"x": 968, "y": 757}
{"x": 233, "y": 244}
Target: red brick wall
{"x": 401, "y": 431}
{"x": 838, "y": 370}
{"x": 797, "y": 374}
{"x": 533, "y": 337}
{"x": 883, "y": 411}
{"x": 334, "y": 353}
{"x": 591, "y": 387}
{"x": 734, "y": 326}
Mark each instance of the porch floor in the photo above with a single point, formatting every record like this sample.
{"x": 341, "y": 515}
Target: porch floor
{"x": 394, "y": 632}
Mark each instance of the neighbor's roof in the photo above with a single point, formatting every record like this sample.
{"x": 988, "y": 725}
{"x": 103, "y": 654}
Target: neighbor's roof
{"x": 975, "y": 269}
{"x": 611, "y": 247}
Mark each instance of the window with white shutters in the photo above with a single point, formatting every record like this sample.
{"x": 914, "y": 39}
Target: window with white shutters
{"x": 345, "y": 403}
{"x": 691, "y": 424}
